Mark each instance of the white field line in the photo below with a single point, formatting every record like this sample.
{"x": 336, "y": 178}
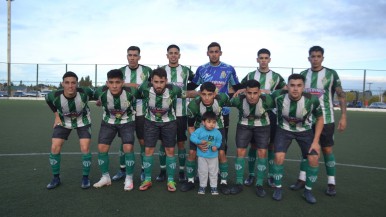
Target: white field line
{"x": 137, "y": 153}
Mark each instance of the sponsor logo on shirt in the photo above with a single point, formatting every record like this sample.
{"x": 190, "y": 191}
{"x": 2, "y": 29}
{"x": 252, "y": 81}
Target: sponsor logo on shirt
{"x": 315, "y": 91}
{"x": 292, "y": 121}
{"x": 73, "y": 115}
{"x": 158, "y": 112}
{"x": 118, "y": 113}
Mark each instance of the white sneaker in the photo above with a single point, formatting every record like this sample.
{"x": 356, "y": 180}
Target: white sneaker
{"x": 128, "y": 183}
{"x": 105, "y": 180}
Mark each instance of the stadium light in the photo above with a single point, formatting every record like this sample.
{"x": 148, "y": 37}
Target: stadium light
{"x": 9, "y": 47}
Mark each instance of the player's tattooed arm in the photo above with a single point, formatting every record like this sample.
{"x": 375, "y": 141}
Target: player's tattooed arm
{"x": 342, "y": 101}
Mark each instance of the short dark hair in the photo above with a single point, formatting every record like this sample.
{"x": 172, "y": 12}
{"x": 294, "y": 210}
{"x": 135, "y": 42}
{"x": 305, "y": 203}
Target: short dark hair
{"x": 160, "y": 72}
{"x": 209, "y": 115}
{"x": 115, "y": 73}
{"x": 134, "y": 48}
{"x": 252, "y": 84}
{"x": 316, "y": 49}
{"x": 296, "y": 77}
{"x": 264, "y": 51}
{"x": 70, "y": 74}
{"x": 208, "y": 86}
{"x": 214, "y": 44}
{"x": 173, "y": 46}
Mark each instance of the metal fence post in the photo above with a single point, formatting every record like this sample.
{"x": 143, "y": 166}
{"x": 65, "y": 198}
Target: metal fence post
{"x": 37, "y": 75}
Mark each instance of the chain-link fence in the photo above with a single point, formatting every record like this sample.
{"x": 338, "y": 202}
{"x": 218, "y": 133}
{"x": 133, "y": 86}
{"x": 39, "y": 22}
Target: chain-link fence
{"x": 38, "y": 77}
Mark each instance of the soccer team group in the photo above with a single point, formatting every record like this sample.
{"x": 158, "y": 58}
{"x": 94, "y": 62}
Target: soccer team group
{"x": 162, "y": 104}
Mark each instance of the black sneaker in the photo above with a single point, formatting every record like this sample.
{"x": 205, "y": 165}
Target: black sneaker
{"x": 225, "y": 189}
{"x": 309, "y": 197}
{"x": 55, "y": 182}
{"x": 250, "y": 180}
{"x": 277, "y": 194}
{"x": 298, "y": 185}
{"x": 187, "y": 186}
{"x": 260, "y": 191}
{"x": 161, "y": 177}
{"x": 181, "y": 177}
{"x": 236, "y": 189}
{"x": 120, "y": 175}
{"x": 196, "y": 179}
{"x": 331, "y": 191}
{"x": 85, "y": 182}
{"x": 271, "y": 182}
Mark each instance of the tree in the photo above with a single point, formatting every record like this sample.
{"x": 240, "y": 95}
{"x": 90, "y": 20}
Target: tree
{"x": 85, "y": 82}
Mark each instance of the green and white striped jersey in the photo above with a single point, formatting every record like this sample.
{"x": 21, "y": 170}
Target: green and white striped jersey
{"x": 323, "y": 84}
{"x": 268, "y": 81}
{"x": 179, "y": 76}
{"x": 137, "y": 76}
{"x": 117, "y": 109}
{"x": 73, "y": 112}
{"x": 160, "y": 107}
{"x": 196, "y": 109}
{"x": 296, "y": 116}
{"x": 253, "y": 115}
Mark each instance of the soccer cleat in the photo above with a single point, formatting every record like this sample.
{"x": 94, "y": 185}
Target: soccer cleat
{"x": 331, "y": 191}
{"x": 271, "y": 182}
{"x": 260, "y": 192}
{"x": 224, "y": 188}
{"x": 55, "y": 182}
{"x": 128, "y": 184}
{"x": 142, "y": 175}
{"x": 187, "y": 186}
{"x": 300, "y": 184}
{"x": 161, "y": 177}
{"x": 120, "y": 175}
{"x": 214, "y": 191}
{"x": 277, "y": 194}
{"x": 172, "y": 186}
{"x": 145, "y": 185}
{"x": 201, "y": 190}
{"x": 309, "y": 197}
{"x": 250, "y": 180}
{"x": 85, "y": 182}
{"x": 236, "y": 189}
{"x": 104, "y": 181}
{"x": 181, "y": 177}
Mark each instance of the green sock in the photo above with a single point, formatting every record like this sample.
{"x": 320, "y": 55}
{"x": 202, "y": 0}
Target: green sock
{"x": 162, "y": 156}
{"x": 251, "y": 161}
{"x": 142, "y": 154}
{"x": 329, "y": 162}
{"x": 171, "y": 164}
{"x": 312, "y": 176}
{"x": 86, "y": 162}
{"x": 261, "y": 169}
{"x": 224, "y": 171}
{"x": 121, "y": 156}
{"x": 271, "y": 157}
{"x": 103, "y": 162}
{"x": 55, "y": 163}
{"x": 304, "y": 164}
{"x": 148, "y": 166}
{"x": 182, "y": 159}
{"x": 190, "y": 168}
{"x": 278, "y": 174}
{"x": 239, "y": 166}
{"x": 130, "y": 163}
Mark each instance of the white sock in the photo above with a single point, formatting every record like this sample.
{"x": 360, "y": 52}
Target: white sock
{"x": 302, "y": 175}
{"x": 331, "y": 180}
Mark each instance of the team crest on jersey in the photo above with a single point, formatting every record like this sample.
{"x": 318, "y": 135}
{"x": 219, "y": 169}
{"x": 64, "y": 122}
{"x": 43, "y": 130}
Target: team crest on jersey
{"x": 271, "y": 83}
{"x": 223, "y": 74}
{"x": 324, "y": 81}
{"x": 183, "y": 74}
{"x": 142, "y": 76}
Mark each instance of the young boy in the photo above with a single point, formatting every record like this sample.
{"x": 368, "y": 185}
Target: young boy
{"x": 210, "y": 138}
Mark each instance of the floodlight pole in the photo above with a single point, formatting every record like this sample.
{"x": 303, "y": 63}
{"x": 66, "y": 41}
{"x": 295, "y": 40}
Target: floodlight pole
{"x": 9, "y": 48}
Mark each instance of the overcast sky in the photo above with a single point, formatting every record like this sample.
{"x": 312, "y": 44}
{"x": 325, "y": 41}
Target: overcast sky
{"x": 352, "y": 32}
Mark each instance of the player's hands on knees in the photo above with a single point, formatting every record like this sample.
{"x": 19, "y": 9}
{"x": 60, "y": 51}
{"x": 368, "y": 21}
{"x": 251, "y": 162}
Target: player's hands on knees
{"x": 315, "y": 147}
{"x": 57, "y": 122}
